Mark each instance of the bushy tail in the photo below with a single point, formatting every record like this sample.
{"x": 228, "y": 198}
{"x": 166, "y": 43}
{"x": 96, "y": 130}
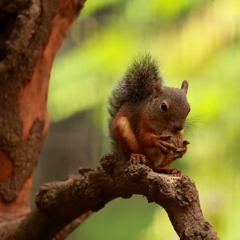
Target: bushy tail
{"x": 137, "y": 83}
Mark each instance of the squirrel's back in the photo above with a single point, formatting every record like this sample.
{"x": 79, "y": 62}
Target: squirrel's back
{"x": 137, "y": 83}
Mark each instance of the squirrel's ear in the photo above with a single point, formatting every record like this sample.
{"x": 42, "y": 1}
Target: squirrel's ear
{"x": 185, "y": 86}
{"x": 157, "y": 88}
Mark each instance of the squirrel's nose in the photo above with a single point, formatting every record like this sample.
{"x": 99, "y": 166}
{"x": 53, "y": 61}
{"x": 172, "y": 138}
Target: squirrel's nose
{"x": 178, "y": 128}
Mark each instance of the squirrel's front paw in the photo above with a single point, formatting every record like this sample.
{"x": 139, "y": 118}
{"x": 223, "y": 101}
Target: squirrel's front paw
{"x": 166, "y": 147}
{"x": 172, "y": 143}
{"x": 136, "y": 158}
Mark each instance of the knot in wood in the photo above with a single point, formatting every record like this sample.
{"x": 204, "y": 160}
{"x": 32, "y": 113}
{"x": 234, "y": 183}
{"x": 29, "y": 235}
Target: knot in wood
{"x": 46, "y": 197}
{"x": 186, "y": 191}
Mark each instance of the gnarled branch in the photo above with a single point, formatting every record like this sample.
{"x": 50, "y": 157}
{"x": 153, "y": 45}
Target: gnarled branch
{"x": 59, "y": 203}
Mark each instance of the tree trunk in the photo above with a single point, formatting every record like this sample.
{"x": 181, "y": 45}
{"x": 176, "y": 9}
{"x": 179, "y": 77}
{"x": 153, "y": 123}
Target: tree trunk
{"x": 30, "y": 35}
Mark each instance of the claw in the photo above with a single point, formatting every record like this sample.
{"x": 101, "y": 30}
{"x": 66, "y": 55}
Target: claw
{"x": 178, "y": 155}
{"x": 169, "y": 145}
{"x": 138, "y": 159}
{"x": 166, "y": 148}
{"x": 185, "y": 143}
{"x": 171, "y": 171}
{"x": 180, "y": 150}
{"x": 164, "y": 137}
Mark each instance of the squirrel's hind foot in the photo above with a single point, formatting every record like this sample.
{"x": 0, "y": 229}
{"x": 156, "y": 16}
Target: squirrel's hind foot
{"x": 137, "y": 158}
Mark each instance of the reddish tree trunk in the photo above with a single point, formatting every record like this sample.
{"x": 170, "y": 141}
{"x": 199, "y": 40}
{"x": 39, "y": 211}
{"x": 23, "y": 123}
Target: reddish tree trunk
{"x": 31, "y": 34}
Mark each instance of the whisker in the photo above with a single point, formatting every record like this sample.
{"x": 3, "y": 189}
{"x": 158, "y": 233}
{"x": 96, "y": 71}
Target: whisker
{"x": 191, "y": 125}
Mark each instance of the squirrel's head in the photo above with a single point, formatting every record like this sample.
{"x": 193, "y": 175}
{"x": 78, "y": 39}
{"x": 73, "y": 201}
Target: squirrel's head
{"x": 171, "y": 106}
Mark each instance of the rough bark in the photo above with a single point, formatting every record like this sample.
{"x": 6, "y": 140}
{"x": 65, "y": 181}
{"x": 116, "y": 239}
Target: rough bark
{"x": 71, "y": 226}
{"x": 31, "y": 32}
{"x": 59, "y": 203}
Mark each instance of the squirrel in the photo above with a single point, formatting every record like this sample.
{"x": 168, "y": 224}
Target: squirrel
{"x": 146, "y": 117}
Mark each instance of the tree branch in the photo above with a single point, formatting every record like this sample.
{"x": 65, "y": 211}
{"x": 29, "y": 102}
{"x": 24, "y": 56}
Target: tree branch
{"x": 71, "y": 226}
{"x": 59, "y": 203}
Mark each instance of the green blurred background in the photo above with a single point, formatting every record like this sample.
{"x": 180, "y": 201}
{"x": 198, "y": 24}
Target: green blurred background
{"x": 197, "y": 40}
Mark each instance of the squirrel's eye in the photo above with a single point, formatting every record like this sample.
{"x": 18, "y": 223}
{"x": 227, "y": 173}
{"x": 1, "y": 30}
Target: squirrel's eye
{"x": 164, "y": 107}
